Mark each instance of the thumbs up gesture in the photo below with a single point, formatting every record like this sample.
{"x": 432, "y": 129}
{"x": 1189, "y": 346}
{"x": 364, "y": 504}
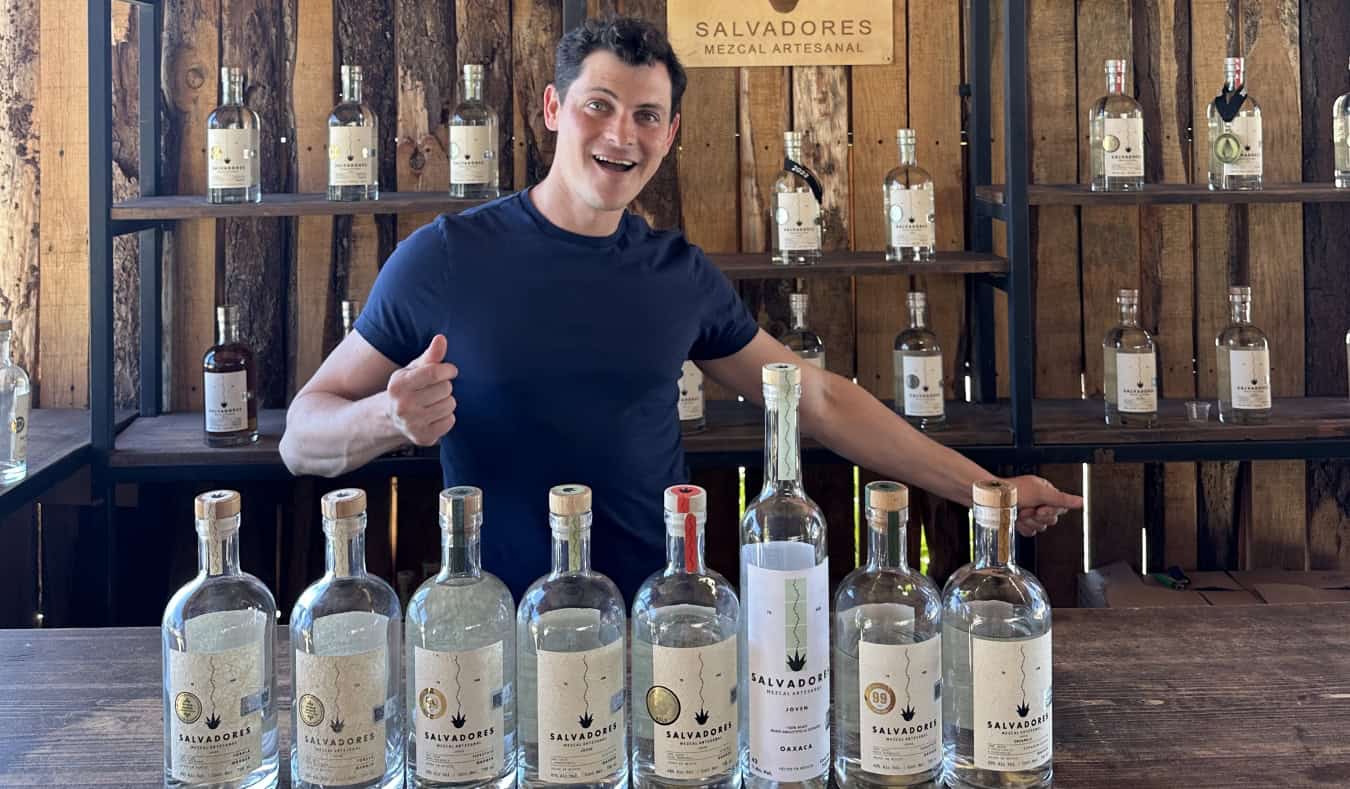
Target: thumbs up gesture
{"x": 421, "y": 396}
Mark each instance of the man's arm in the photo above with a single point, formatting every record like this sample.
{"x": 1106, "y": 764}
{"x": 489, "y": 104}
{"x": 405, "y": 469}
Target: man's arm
{"x": 360, "y": 405}
{"x": 844, "y": 417}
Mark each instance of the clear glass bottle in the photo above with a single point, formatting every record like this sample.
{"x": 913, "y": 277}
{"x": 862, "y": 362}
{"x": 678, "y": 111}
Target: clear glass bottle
{"x": 887, "y": 659}
{"x": 233, "y": 145}
{"x": 14, "y": 409}
{"x": 473, "y": 141}
{"x": 800, "y": 339}
{"x": 353, "y": 144}
{"x": 1234, "y": 120}
{"x": 1244, "y": 364}
{"x": 785, "y": 594}
{"x": 911, "y": 212}
{"x": 918, "y": 369}
{"x": 692, "y": 408}
{"x": 1116, "y": 138}
{"x": 461, "y": 662}
{"x": 798, "y": 228}
{"x": 1130, "y": 362}
{"x": 1340, "y": 113}
{"x": 350, "y": 310}
{"x": 571, "y": 632}
{"x": 996, "y": 659}
{"x": 346, "y": 638}
{"x": 230, "y": 385}
{"x": 219, "y": 679}
{"x": 686, "y": 722}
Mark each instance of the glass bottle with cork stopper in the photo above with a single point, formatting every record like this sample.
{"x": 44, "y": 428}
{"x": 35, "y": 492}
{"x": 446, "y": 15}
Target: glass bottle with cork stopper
{"x": 1116, "y": 136}
{"x": 14, "y": 410}
{"x": 233, "y": 143}
{"x": 353, "y": 144}
{"x": 919, "y": 393}
{"x": 796, "y": 224}
{"x": 1243, "y": 359}
{"x": 1130, "y": 368}
{"x": 911, "y": 212}
{"x": 230, "y": 378}
{"x": 474, "y": 173}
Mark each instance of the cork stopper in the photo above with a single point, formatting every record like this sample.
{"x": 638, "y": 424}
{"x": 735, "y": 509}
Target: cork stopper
{"x": 905, "y": 136}
{"x": 569, "y": 500}
{"x": 686, "y": 498}
{"x": 995, "y": 493}
{"x": 462, "y": 500}
{"x": 781, "y": 375}
{"x": 344, "y": 503}
{"x": 887, "y": 496}
{"x": 1127, "y": 296}
{"x": 216, "y": 505}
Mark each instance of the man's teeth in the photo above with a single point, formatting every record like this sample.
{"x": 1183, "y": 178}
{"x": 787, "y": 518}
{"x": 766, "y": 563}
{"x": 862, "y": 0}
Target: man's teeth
{"x": 623, "y": 162}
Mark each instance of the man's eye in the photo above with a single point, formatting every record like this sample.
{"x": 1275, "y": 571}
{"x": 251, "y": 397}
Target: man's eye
{"x": 595, "y": 105}
{"x": 649, "y": 117}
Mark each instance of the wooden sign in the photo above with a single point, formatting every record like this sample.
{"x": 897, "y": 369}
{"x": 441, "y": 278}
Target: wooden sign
{"x": 781, "y": 32}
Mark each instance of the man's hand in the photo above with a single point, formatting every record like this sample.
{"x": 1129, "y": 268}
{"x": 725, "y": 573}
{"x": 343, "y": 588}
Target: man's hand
{"x": 421, "y": 403}
{"x": 1039, "y": 504}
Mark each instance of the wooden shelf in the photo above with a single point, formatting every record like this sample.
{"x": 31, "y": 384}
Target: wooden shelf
{"x": 1292, "y": 419}
{"x": 58, "y": 443}
{"x": 1162, "y": 194}
{"x": 758, "y": 266}
{"x": 177, "y": 207}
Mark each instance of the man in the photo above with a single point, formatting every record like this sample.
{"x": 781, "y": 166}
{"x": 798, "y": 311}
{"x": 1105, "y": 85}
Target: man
{"x": 539, "y": 339}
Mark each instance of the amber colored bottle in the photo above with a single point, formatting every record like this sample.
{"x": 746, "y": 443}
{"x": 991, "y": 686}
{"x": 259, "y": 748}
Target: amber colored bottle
{"x": 230, "y": 385}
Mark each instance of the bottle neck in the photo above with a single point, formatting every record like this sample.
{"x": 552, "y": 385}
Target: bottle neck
{"x": 886, "y": 543}
{"x": 473, "y": 88}
{"x": 799, "y": 316}
{"x": 994, "y": 536}
{"x": 228, "y": 332}
{"x": 684, "y": 543}
{"x": 218, "y": 546}
{"x": 234, "y": 91}
{"x": 918, "y": 316}
{"x": 1241, "y": 311}
{"x": 351, "y": 89}
{"x": 1115, "y": 81}
{"x": 782, "y": 442}
{"x": 1233, "y": 81}
{"x": 345, "y": 553}
{"x": 1129, "y": 314}
{"x": 571, "y": 543}
{"x": 461, "y": 551}
{"x": 793, "y": 151}
{"x": 5, "y": 347}
{"x": 907, "y": 155}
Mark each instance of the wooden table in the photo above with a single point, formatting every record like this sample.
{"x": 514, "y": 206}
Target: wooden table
{"x": 1253, "y": 696}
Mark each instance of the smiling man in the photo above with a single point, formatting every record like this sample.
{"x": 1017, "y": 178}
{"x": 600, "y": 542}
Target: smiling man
{"x": 539, "y": 339}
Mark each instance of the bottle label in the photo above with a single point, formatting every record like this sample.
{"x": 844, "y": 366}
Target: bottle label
{"x": 18, "y": 425}
{"x": 581, "y": 714}
{"x": 910, "y": 215}
{"x": 1123, "y": 147}
{"x": 789, "y": 664}
{"x": 352, "y": 157}
{"x": 816, "y": 360}
{"x": 692, "y": 703}
{"x": 1012, "y": 702}
{"x": 1238, "y": 148}
{"x": 459, "y": 714}
{"x": 1249, "y": 372}
{"x": 226, "y": 397}
{"x": 900, "y": 709}
{"x": 341, "y": 711}
{"x": 471, "y": 154}
{"x": 797, "y": 217}
{"x": 1136, "y": 383}
{"x": 919, "y": 384}
{"x": 691, "y": 392}
{"x": 231, "y": 158}
{"x": 216, "y": 698}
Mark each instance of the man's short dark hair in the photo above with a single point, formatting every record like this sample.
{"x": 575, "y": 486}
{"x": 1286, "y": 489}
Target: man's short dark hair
{"x": 634, "y": 41}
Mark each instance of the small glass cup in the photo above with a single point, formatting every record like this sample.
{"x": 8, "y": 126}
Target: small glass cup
{"x": 1197, "y": 410}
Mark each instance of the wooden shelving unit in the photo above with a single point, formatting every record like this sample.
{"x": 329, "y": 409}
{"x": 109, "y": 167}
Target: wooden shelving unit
{"x": 737, "y": 266}
{"x": 58, "y": 444}
{"x": 175, "y": 208}
{"x": 1165, "y": 194}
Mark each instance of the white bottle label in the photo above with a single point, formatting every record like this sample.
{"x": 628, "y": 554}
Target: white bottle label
{"x": 900, "y": 709}
{"x": 1012, "y": 702}
{"x": 18, "y": 425}
{"x": 919, "y": 384}
{"x": 691, "y": 392}
{"x": 581, "y": 714}
{"x": 797, "y": 217}
{"x": 692, "y": 703}
{"x": 1123, "y": 147}
{"x": 231, "y": 158}
{"x": 340, "y": 703}
{"x": 816, "y": 360}
{"x": 789, "y": 663}
{"x": 217, "y": 699}
{"x": 910, "y": 216}
{"x": 1248, "y": 159}
{"x": 1249, "y": 372}
{"x": 352, "y": 157}
{"x": 226, "y": 398}
{"x": 471, "y": 154}
{"x": 460, "y": 721}
{"x": 1136, "y": 383}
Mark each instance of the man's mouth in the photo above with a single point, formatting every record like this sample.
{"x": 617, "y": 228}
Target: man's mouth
{"x": 614, "y": 165}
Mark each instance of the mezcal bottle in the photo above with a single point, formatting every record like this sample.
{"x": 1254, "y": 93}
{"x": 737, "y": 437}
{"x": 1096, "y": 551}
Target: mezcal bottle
{"x": 785, "y": 631}
{"x": 1116, "y": 140}
{"x": 996, "y": 671}
{"x": 14, "y": 400}
{"x": 800, "y": 339}
{"x": 232, "y": 145}
{"x": 1234, "y": 121}
{"x": 353, "y": 144}
{"x": 220, "y": 722}
{"x": 1340, "y": 131}
{"x": 230, "y": 385}
{"x": 911, "y": 212}
{"x": 346, "y": 637}
{"x": 473, "y": 141}
{"x": 461, "y": 662}
{"x": 797, "y": 228}
{"x": 1244, "y": 364}
{"x": 570, "y": 636}
{"x": 887, "y": 659}
{"x": 686, "y": 721}
{"x": 1131, "y": 368}
{"x": 918, "y": 368}
{"x": 693, "y": 418}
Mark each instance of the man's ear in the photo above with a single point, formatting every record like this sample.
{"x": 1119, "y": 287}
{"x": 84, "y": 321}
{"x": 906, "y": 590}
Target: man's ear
{"x": 674, "y": 129}
{"x": 552, "y": 105}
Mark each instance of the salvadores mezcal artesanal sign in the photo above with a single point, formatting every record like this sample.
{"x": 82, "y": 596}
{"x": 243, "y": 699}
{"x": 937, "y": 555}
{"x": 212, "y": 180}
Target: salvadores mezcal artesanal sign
{"x": 781, "y": 32}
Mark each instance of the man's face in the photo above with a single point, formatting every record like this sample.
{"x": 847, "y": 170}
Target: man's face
{"x": 614, "y": 126}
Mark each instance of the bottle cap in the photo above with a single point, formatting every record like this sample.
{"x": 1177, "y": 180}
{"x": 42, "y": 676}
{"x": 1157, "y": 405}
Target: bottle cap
{"x": 464, "y": 500}
{"x": 1127, "y": 296}
{"x": 781, "y": 374}
{"x": 473, "y": 71}
{"x": 344, "y": 503}
{"x": 1113, "y": 64}
{"x": 887, "y": 496}
{"x": 351, "y": 71}
{"x": 905, "y": 136}
{"x": 215, "y": 505}
{"x": 994, "y": 493}
{"x": 569, "y": 500}
{"x": 1233, "y": 63}
{"x": 1239, "y": 292}
{"x": 686, "y": 498}
{"x": 792, "y": 139}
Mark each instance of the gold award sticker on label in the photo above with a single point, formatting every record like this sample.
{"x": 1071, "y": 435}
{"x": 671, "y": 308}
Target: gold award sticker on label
{"x": 311, "y": 710}
{"x": 663, "y": 705}
{"x": 1228, "y": 148}
{"x": 187, "y": 707}
{"x": 432, "y": 703}
{"x": 880, "y": 698}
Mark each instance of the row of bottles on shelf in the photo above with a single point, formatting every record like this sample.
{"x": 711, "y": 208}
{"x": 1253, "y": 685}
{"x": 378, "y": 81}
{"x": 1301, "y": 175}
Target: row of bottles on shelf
{"x": 471, "y": 689}
{"x": 233, "y": 143}
{"x": 1234, "y": 136}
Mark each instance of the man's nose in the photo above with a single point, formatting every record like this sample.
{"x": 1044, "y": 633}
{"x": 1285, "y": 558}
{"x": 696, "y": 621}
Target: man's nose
{"x": 621, "y": 130}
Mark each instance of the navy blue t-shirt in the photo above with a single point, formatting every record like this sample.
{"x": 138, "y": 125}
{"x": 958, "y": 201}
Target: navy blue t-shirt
{"x": 569, "y": 351}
